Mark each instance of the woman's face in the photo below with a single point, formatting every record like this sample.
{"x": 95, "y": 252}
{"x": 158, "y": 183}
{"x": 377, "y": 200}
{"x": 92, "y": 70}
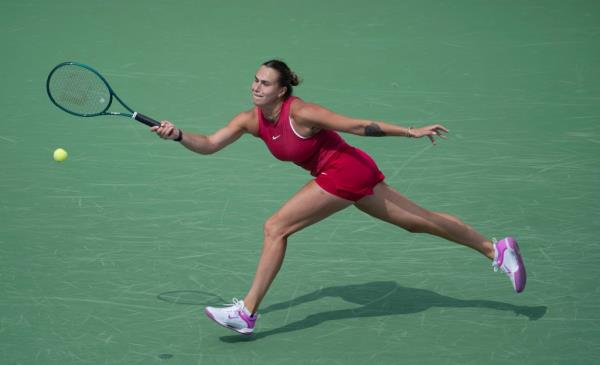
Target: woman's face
{"x": 265, "y": 88}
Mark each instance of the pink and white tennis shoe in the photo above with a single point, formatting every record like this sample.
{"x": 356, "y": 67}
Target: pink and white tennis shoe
{"x": 508, "y": 258}
{"x": 234, "y": 316}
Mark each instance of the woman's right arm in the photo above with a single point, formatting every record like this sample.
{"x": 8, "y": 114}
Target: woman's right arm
{"x": 240, "y": 124}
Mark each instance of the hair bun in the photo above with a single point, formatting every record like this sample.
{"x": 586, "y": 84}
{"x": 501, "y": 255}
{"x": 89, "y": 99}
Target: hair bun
{"x": 294, "y": 80}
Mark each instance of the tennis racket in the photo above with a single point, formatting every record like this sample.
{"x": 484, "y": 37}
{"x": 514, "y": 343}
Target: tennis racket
{"x": 80, "y": 90}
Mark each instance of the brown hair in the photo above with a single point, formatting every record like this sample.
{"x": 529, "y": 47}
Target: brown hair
{"x": 287, "y": 77}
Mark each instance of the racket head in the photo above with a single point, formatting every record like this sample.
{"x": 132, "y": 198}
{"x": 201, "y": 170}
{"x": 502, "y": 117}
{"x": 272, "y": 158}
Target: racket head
{"x": 78, "y": 89}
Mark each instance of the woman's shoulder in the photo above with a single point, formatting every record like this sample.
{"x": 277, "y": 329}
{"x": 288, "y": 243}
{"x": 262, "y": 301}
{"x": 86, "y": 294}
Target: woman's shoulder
{"x": 296, "y": 102}
{"x": 248, "y": 120}
{"x": 299, "y": 106}
{"x": 248, "y": 114}
{"x": 303, "y": 109}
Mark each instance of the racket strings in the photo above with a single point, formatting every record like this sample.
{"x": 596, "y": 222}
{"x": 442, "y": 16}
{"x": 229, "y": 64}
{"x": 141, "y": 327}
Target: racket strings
{"x": 79, "y": 90}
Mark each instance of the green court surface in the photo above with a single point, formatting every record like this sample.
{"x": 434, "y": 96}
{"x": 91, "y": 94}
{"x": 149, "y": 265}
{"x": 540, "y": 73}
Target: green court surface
{"x": 106, "y": 258}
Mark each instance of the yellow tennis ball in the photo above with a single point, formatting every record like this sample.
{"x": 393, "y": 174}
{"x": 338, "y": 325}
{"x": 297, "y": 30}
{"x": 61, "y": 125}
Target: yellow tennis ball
{"x": 60, "y": 155}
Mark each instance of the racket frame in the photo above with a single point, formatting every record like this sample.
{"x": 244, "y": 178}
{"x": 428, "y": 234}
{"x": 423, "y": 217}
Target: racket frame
{"x": 132, "y": 114}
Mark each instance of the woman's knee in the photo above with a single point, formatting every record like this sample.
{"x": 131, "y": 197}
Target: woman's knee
{"x": 274, "y": 229}
{"x": 449, "y": 218}
{"x": 420, "y": 224}
{"x": 416, "y": 227}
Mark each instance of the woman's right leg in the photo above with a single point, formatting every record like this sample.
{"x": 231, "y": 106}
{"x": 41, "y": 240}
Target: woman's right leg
{"x": 308, "y": 206}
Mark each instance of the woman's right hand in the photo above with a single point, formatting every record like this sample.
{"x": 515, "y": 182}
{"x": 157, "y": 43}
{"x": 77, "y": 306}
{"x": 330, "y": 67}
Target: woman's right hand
{"x": 166, "y": 130}
{"x": 430, "y": 131}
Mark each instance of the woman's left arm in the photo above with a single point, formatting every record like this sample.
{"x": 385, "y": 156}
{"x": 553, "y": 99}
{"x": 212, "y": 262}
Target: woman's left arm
{"x": 315, "y": 116}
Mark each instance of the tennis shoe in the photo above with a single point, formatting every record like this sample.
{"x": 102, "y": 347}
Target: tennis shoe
{"x": 508, "y": 258}
{"x": 234, "y": 316}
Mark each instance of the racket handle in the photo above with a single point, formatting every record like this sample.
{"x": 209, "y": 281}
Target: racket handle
{"x": 144, "y": 119}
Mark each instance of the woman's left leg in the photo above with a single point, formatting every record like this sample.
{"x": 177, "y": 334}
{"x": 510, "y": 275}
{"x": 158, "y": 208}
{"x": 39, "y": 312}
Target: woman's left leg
{"x": 389, "y": 205}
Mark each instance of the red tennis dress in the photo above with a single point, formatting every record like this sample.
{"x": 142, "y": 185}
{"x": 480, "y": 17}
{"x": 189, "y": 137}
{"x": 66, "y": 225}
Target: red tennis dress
{"x": 339, "y": 168}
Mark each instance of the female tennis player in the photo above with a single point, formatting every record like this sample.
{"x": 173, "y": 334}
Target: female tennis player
{"x": 306, "y": 134}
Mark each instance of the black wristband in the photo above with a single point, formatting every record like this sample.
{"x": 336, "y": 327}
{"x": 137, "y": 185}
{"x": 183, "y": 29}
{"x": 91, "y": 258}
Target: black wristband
{"x": 178, "y": 139}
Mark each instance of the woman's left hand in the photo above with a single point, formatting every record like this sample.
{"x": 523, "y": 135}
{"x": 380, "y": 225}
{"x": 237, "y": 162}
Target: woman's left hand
{"x": 431, "y": 131}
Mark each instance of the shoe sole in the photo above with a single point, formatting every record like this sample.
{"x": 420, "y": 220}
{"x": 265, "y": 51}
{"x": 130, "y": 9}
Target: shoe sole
{"x": 512, "y": 243}
{"x": 226, "y": 326}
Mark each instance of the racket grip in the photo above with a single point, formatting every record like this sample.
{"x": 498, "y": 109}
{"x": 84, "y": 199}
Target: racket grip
{"x": 144, "y": 119}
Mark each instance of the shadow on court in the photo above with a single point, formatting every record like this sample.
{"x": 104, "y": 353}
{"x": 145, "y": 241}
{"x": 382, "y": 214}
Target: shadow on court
{"x": 380, "y": 298}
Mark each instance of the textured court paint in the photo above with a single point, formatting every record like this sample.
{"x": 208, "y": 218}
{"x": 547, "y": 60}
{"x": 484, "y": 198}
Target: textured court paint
{"x": 90, "y": 249}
